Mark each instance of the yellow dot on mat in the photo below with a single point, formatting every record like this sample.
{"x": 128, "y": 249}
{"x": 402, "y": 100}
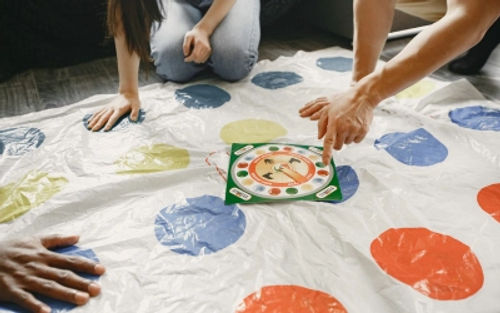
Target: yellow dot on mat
{"x": 152, "y": 158}
{"x": 251, "y": 131}
{"x": 29, "y": 192}
{"x": 307, "y": 187}
{"x": 418, "y": 90}
{"x": 248, "y": 182}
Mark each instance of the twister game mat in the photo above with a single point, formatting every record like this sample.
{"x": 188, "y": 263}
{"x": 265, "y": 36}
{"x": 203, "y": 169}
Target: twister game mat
{"x": 262, "y": 172}
{"x": 417, "y": 229}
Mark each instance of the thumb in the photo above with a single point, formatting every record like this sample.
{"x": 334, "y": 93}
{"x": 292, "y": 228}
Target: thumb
{"x": 134, "y": 115}
{"x": 53, "y": 241}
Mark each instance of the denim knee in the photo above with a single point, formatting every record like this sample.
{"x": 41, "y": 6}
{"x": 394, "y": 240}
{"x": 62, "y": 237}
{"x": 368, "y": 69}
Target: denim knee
{"x": 170, "y": 65}
{"x": 233, "y": 63}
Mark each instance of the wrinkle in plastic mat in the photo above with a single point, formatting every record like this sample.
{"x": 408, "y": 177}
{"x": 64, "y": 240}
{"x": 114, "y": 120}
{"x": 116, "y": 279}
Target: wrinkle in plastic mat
{"x": 417, "y": 231}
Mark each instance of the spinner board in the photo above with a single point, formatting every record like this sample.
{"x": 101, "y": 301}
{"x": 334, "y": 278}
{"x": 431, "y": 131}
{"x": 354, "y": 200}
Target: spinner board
{"x": 266, "y": 172}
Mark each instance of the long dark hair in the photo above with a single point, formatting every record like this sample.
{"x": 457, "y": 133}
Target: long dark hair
{"x": 136, "y": 17}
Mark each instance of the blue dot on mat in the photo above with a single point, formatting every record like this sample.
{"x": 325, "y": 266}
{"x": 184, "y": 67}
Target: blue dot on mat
{"x": 349, "y": 182}
{"x": 56, "y": 305}
{"x": 276, "y": 80}
{"x": 417, "y": 148}
{"x": 337, "y": 64}
{"x": 202, "y": 96}
{"x": 476, "y": 117}
{"x": 20, "y": 140}
{"x": 123, "y": 122}
{"x": 203, "y": 225}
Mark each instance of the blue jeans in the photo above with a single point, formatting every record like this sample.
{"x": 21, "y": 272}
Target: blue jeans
{"x": 234, "y": 43}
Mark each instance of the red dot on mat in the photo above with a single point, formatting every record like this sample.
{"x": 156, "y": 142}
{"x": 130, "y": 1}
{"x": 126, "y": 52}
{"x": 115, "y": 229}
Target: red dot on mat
{"x": 322, "y": 173}
{"x": 489, "y": 200}
{"x": 242, "y": 165}
{"x": 436, "y": 265}
{"x": 296, "y": 299}
{"x": 274, "y": 191}
{"x": 287, "y": 148}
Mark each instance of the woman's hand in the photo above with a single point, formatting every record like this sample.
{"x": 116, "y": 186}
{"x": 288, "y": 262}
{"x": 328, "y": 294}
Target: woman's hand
{"x": 107, "y": 116}
{"x": 27, "y": 266}
{"x": 343, "y": 118}
{"x": 196, "y": 46}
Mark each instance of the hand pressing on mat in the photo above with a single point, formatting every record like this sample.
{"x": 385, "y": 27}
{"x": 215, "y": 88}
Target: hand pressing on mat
{"x": 107, "y": 116}
{"x": 196, "y": 45}
{"x": 27, "y": 267}
{"x": 343, "y": 118}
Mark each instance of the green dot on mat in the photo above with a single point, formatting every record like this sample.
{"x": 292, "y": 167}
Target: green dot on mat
{"x": 242, "y": 174}
{"x": 29, "y": 192}
{"x": 153, "y": 158}
{"x": 292, "y": 191}
{"x": 274, "y": 148}
{"x": 320, "y": 164}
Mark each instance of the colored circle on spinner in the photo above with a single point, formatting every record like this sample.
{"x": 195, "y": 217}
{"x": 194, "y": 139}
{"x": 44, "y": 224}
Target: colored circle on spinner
{"x": 202, "y": 96}
{"x": 476, "y": 117}
{"x": 56, "y": 305}
{"x": 259, "y": 188}
{"x": 201, "y": 226}
{"x": 242, "y": 165}
{"x": 323, "y": 173}
{"x": 281, "y": 169}
{"x": 273, "y": 148}
{"x": 248, "y": 182}
{"x": 289, "y": 149}
{"x": 320, "y": 164}
{"x": 242, "y": 174}
{"x": 314, "y": 157}
{"x": 307, "y": 187}
{"x": 276, "y": 80}
{"x": 292, "y": 191}
{"x": 318, "y": 180}
{"x": 274, "y": 191}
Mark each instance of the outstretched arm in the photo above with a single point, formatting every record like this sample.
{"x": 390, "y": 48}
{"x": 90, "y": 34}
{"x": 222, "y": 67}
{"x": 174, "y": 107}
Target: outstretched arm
{"x": 372, "y": 23}
{"x": 347, "y": 115}
{"x": 128, "y": 99}
{"x": 464, "y": 24}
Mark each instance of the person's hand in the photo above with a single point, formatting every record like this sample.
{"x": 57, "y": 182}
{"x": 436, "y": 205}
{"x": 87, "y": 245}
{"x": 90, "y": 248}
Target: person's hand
{"x": 27, "y": 266}
{"x": 343, "y": 118}
{"x": 107, "y": 116}
{"x": 196, "y": 46}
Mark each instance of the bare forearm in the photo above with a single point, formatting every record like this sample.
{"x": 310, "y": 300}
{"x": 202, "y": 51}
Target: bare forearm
{"x": 215, "y": 14}
{"x": 128, "y": 67}
{"x": 460, "y": 29}
{"x": 372, "y": 23}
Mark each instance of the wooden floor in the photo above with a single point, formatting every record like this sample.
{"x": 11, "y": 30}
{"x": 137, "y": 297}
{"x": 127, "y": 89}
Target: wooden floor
{"x": 40, "y": 89}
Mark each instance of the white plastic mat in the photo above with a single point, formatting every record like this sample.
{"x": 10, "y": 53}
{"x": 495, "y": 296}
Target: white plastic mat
{"x": 417, "y": 231}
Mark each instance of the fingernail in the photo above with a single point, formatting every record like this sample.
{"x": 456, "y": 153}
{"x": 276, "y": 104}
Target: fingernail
{"x": 45, "y": 309}
{"x": 94, "y": 289}
{"x": 99, "y": 269}
{"x": 81, "y": 297}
